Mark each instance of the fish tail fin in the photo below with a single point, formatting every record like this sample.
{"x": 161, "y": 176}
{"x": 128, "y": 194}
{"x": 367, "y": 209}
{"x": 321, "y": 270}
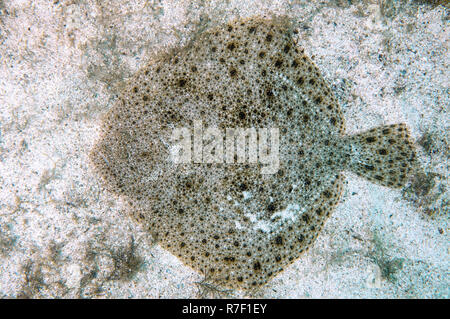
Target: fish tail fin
{"x": 384, "y": 155}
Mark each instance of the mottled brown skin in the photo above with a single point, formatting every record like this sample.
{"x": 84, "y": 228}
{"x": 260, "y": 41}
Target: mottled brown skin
{"x": 248, "y": 73}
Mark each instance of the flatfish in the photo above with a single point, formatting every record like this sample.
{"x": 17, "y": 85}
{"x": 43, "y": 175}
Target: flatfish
{"x": 230, "y": 151}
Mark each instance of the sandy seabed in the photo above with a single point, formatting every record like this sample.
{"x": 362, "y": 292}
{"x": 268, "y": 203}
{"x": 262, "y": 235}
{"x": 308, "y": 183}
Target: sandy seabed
{"x": 62, "y": 65}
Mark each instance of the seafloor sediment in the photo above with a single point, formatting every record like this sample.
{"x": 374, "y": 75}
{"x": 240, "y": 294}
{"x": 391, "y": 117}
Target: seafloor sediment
{"x": 62, "y": 66}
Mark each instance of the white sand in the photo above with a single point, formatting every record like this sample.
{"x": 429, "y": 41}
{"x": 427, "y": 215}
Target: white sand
{"x": 62, "y": 66}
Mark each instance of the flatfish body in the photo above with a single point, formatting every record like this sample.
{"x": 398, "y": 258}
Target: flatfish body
{"x": 230, "y": 151}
